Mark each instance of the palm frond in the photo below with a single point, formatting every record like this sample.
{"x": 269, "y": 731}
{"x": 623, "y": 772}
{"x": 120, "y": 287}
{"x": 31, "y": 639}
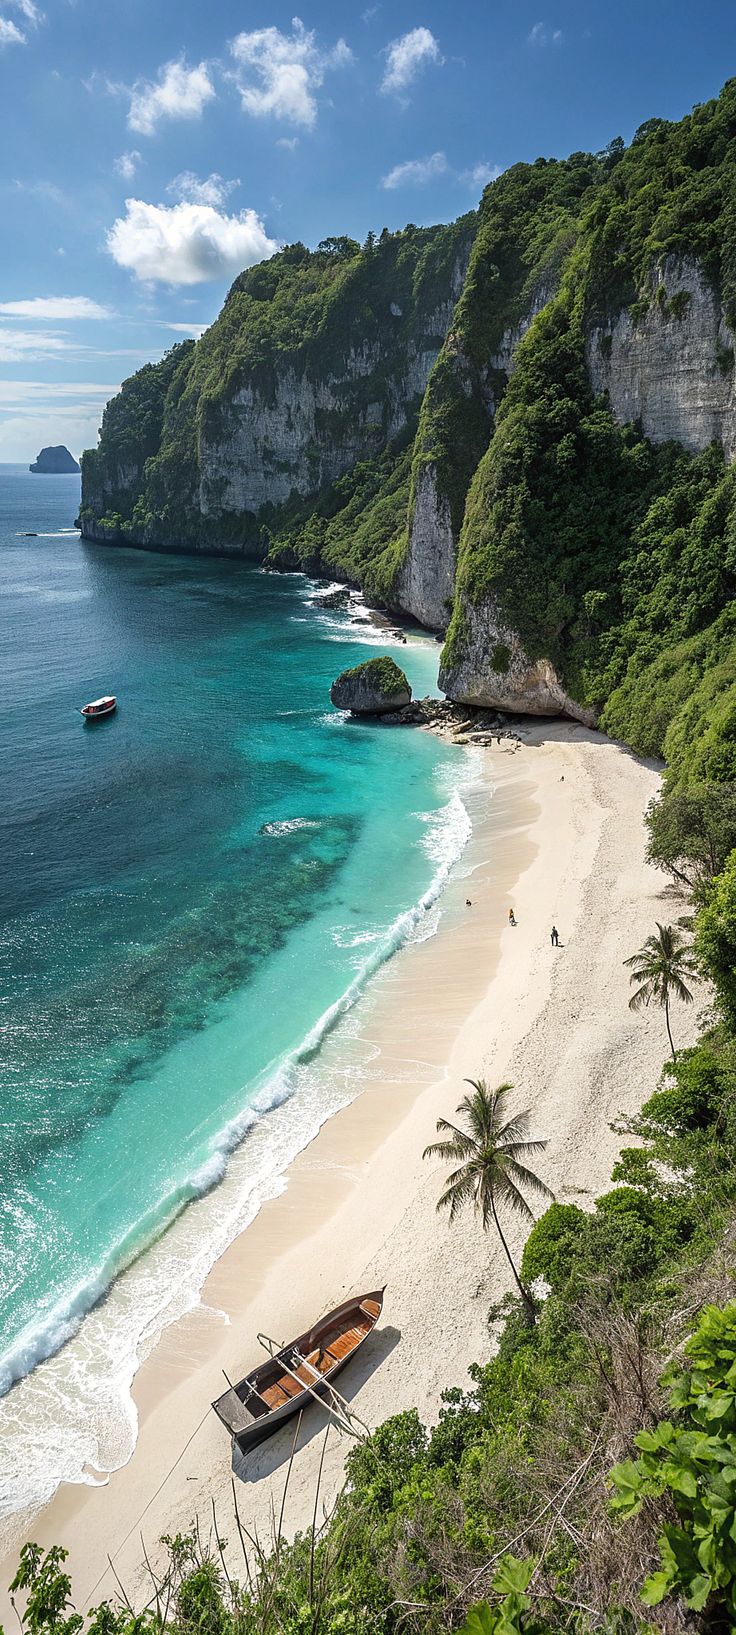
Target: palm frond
{"x": 521, "y": 1176}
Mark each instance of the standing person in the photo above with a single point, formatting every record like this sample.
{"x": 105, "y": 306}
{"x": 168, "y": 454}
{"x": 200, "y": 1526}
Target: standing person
{"x": 512, "y": 917}
{"x": 554, "y": 937}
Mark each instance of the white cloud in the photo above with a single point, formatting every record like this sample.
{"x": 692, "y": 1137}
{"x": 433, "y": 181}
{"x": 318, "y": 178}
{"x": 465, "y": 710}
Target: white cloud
{"x": 9, "y": 34}
{"x": 278, "y": 74}
{"x": 69, "y": 397}
{"x": 30, "y": 345}
{"x": 55, "y": 306}
{"x": 178, "y": 93}
{"x": 405, "y": 58}
{"x": 127, "y": 164}
{"x": 478, "y": 176}
{"x": 186, "y": 243}
{"x": 541, "y": 35}
{"x": 187, "y": 329}
{"x": 29, "y": 10}
{"x": 415, "y": 172}
{"x": 190, "y": 188}
{"x": 290, "y": 142}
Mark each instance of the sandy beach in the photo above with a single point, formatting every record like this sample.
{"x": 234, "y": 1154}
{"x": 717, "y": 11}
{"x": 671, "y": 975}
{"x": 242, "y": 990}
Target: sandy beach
{"x": 561, "y": 841}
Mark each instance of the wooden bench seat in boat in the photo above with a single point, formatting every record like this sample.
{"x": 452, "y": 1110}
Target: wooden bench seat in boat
{"x": 275, "y": 1390}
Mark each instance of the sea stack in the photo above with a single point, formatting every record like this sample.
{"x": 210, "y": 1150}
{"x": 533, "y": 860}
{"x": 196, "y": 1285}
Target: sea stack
{"x": 373, "y": 688}
{"x": 55, "y": 461}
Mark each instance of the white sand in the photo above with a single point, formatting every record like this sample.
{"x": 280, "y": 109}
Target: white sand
{"x": 564, "y": 843}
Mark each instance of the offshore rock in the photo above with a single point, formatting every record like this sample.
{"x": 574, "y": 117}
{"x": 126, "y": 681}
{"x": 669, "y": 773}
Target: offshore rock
{"x": 377, "y": 687}
{"x": 55, "y": 461}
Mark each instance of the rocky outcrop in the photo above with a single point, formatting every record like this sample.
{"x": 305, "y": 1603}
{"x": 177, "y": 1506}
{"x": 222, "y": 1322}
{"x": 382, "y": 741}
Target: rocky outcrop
{"x": 426, "y": 580}
{"x": 494, "y": 672}
{"x": 55, "y": 461}
{"x": 374, "y": 688}
{"x": 670, "y": 363}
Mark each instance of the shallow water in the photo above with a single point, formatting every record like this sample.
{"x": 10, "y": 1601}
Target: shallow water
{"x": 193, "y": 892}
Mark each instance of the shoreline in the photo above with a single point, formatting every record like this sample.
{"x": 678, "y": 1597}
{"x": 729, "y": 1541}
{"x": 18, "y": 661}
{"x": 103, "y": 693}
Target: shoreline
{"x": 357, "y": 1208}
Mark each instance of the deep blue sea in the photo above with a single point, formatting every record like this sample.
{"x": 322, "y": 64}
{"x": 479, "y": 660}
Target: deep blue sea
{"x": 191, "y": 892}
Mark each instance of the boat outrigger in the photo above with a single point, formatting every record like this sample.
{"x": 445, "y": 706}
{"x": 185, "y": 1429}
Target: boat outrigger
{"x": 281, "y": 1386}
{"x": 98, "y": 708}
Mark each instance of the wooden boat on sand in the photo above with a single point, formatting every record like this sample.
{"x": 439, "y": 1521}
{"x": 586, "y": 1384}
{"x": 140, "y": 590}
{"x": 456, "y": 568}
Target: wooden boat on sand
{"x": 286, "y": 1382}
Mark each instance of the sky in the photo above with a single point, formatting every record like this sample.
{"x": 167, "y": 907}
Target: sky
{"x": 151, "y": 149}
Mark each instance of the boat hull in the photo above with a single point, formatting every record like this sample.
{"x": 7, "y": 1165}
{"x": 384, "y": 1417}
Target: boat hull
{"x": 249, "y": 1410}
{"x": 98, "y": 715}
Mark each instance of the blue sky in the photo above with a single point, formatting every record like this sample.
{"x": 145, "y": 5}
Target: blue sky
{"x": 151, "y": 148}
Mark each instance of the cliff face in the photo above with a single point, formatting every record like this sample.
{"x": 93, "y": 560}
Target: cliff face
{"x": 517, "y": 429}
{"x": 670, "y": 366}
{"x": 306, "y": 430}
{"x": 317, "y": 362}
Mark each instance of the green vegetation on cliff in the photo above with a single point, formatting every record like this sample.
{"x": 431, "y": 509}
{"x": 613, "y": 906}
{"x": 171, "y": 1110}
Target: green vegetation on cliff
{"x": 612, "y": 557}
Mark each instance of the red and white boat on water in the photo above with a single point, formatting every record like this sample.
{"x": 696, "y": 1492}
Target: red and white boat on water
{"x": 98, "y": 708}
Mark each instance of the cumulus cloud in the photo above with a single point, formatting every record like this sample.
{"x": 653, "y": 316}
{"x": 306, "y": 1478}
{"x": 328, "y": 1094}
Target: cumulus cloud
{"x": 541, "y": 35}
{"x": 127, "y": 164}
{"x": 55, "y": 306}
{"x": 186, "y": 243}
{"x": 406, "y": 57}
{"x": 478, "y": 176}
{"x": 10, "y": 34}
{"x": 278, "y": 74}
{"x": 415, "y": 172}
{"x": 288, "y": 142}
{"x": 178, "y": 93}
{"x": 193, "y": 190}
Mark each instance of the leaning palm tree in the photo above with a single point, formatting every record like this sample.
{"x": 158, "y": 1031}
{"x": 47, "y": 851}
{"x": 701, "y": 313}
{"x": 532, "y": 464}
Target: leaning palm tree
{"x": 660, "y": 969}
{"x": 491, "y": 1171}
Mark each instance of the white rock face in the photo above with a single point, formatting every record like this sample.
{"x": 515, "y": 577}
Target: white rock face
{"x": 307, "y": 431}
{"x": 427, "y": 578}
{"x": 531, "y": 687}
{"x": 665, "y": 369}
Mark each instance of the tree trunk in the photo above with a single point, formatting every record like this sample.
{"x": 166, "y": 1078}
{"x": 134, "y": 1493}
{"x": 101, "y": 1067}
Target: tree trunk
{"x": 526, "y": 1298}
{"x": 669, "y": 1030}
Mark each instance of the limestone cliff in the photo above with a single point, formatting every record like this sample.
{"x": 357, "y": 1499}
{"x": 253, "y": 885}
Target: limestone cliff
{"x": 669, "y": 362}
{"x": 317, "y": 362}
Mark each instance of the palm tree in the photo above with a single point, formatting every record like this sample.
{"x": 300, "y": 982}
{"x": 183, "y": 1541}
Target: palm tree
{"x": 660, "y": 969}
{"x": 491, "y": 1171}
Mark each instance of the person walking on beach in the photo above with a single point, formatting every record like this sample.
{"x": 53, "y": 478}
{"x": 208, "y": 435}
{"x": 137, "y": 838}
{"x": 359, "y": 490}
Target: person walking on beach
{"x": 512, "y": 918}
{"x": 554, "y": 937}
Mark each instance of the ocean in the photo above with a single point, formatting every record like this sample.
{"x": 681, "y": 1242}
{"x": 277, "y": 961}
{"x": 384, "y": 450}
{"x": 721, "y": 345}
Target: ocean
{"x": 194, "y": 894}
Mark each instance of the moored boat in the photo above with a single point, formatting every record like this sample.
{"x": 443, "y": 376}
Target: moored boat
{"x": 98, "y": 708}
{"x": 281, "y": 1386}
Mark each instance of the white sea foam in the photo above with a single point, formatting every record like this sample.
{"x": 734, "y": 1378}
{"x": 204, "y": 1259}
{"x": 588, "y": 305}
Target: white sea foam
{"x": 288, "y": 826}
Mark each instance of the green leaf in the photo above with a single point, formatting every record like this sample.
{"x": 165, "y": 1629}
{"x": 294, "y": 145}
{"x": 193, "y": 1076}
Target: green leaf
{"x": 657, "y": 1586}
{"x": 513, "y": 1575}
{"x": 481, "y": 1620}
{"x": 698, "y": 1590}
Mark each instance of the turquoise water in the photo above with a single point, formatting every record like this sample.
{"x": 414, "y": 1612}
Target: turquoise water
{"x": 192, "y": 892}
